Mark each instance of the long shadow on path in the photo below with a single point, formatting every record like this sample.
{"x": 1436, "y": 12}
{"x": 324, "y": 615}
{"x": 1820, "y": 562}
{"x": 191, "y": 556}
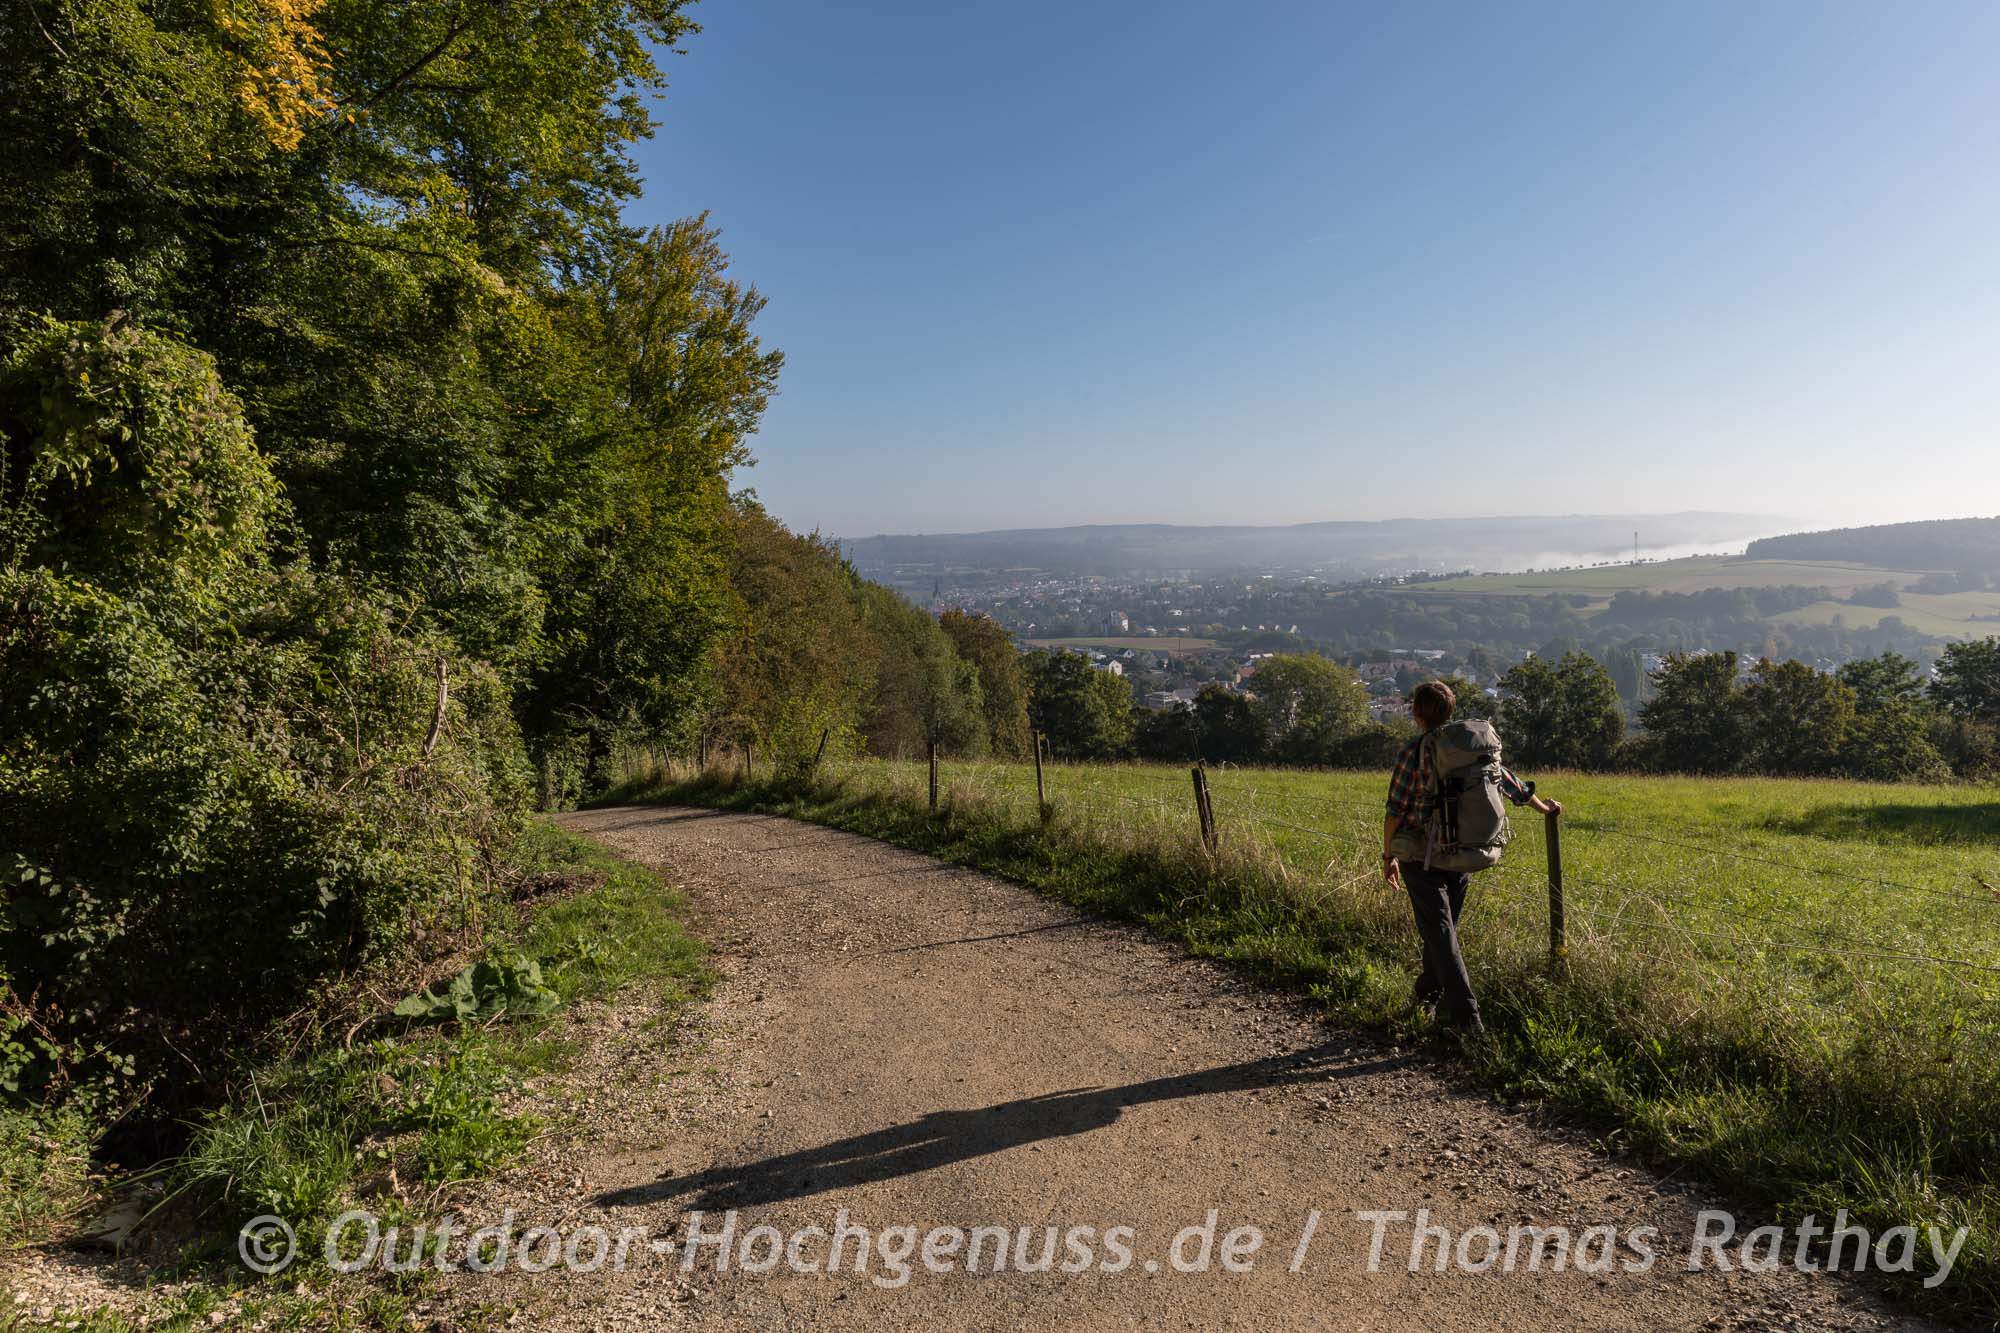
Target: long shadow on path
{"x": 944, "y": 1137}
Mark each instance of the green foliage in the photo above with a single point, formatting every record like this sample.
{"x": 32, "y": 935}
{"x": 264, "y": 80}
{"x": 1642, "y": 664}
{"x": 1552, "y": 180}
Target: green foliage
{"x": 794, "y": 666}
{"x": 1868, "y": 720}
{"x": 1561, "y": 716}
{"x": 303, "y": 1136}
{"x": 1797, "y": 720}
{"x": 627, "y": 931}
{"x": 1888, "y": 739}
{"x": 1306, "y": 707}
{"x": 1085, "y": 713}
{"x": 1473, "y": 703}
{"x": 347, "y": 434}
{"x": 1227, "y": 729}
{"x": 924, "y": 692}
{"x": 1169, "y": 733}
{"x": 1003, "y": 685}
{"x": 44, "y": 1171}
{"x": 1692, "y": 723}
{"x": 1959, "y": 544}
{"x": 201, "y": 827}
{"x": 638, "y": 573}
{"x": 1968, "y": 680}
{"x": 454, "y": 1107}
{"x": 510, "y": 985}
{"x": 127, "y": 464}
{"x": 817, "y": 655}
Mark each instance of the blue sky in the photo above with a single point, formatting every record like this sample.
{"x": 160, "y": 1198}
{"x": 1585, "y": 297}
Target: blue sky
{"x": 1099, "y": 261}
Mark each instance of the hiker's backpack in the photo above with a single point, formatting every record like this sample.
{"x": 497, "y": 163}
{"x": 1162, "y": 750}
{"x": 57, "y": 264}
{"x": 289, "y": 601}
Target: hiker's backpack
{"x": 1467, "y": 828}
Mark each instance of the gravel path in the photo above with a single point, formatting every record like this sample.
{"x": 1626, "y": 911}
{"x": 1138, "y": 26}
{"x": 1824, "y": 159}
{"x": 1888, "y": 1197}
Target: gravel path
{"x": 922, "y": 1045}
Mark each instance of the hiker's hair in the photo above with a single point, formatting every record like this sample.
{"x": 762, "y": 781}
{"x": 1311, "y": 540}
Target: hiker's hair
{"x": 1433, "y": 702}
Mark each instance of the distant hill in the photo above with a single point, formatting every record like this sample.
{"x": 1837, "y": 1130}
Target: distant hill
{"x": 1965, "y": 546}
{"x": 1862, "y": 608}
{"x": 1338, "y": 550}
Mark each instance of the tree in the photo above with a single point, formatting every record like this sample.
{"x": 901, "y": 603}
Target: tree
{"x": 1695, "y": 721}
{"x": 1796, "y": 719}
{"x": 1305, "y": 706}
{"x": 635, "y": 577}
{"x": 1563, "y": 716}
{"x": 1226, "y": 727}
{"x": 371, "y": 436}
{"x": 924, "y": 694}
{"x": 1114, "y": 705}
{"x": 1628, "y": 674}
{"x": 1967, "y": 686}
{"x": 1070, "y": 703}
{"x": 1530, "y": 710}
{"x": 1003, "y": 686}
{"x": 1474, "y": 702}
{"x": 1968, "y": 680}
{"x": 126, "y": 462}
{"x": 223, "y": 778}
{"x": 796, "y": 663}
{"x": 1168, "y": 734}
{"x": 1890, "y": 736}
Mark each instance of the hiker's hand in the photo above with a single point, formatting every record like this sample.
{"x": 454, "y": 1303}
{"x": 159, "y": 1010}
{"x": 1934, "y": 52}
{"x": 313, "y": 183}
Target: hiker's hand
{"x": 1552, "y": 807}
{"x": 1392, "y": 874}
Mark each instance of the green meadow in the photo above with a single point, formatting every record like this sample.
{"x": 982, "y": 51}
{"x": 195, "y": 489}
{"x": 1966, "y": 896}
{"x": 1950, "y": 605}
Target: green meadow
{"x": 1945, "y": 615}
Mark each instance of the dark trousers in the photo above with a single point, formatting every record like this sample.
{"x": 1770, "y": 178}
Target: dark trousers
{"x": 1436, "y": 898}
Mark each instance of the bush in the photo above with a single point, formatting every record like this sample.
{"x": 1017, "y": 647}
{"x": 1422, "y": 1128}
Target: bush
{"x": 222, "y": 784}
{"x": 128, "y": 464}
{"x": 198, "y": 838}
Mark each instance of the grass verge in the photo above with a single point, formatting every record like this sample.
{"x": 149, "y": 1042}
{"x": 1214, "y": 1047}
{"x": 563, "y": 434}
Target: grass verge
{"x": 1887, "y": 1109}
{"x": 389, "y": 1119}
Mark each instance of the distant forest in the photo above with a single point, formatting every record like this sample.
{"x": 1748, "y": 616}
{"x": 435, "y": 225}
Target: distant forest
{"x": 1968, "y": 548}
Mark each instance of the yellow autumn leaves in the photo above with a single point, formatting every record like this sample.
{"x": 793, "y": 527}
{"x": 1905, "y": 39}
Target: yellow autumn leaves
{"x": 283, "y": 74}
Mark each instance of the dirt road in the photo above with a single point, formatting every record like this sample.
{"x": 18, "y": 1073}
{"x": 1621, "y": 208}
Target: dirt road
{"x": 925, "y": 1046}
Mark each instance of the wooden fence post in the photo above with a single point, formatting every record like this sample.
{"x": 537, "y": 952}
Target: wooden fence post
{"x": 932, "y": 746}
{"x": 749, "y": 761}
{"x": 1203, "y": 809}
{"x": 1558, "y": 927}
{"x": 820, "y": 753}
{"x": 1041, "y": 793}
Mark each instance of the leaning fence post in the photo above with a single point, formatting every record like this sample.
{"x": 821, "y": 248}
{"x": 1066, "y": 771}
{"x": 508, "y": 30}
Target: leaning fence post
{"x": 1558, "y": 929}
{"x": 820, "y": 753}
{"x": 932, "y": 746}
{"x": 1204, "y": 811}
{"x": 1041, "y": 793}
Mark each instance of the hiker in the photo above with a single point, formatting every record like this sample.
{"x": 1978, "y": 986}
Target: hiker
{"x": 1445, "y": 822}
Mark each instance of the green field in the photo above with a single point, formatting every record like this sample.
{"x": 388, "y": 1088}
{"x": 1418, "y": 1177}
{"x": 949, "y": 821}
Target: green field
{"x": 1163, "y": 643}
{"x": 1793, "y": 986}
{"x": 1690, "y": 575}
{"x": 1819, "y": 888}
{"x": 1944, "y": 615}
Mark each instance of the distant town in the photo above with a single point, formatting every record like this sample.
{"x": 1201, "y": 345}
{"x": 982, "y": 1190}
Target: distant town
{"x": 1169, "y": 638}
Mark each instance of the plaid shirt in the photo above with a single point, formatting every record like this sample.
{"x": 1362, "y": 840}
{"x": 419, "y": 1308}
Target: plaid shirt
{"x": 1412, "y": 789}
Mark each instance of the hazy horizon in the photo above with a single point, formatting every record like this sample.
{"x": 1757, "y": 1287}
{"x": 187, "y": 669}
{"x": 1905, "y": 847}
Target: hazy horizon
{"x": 1122, "y": 263}
{"x": 1781, "y": 525}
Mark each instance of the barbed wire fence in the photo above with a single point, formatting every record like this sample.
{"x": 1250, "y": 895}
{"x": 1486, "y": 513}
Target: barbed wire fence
{"x": 1327, "y": 850}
